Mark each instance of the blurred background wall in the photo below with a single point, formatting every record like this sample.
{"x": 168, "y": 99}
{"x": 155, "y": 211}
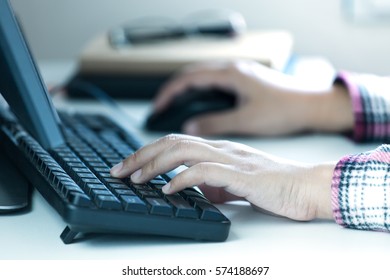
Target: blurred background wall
{"x": 59, "y": 29}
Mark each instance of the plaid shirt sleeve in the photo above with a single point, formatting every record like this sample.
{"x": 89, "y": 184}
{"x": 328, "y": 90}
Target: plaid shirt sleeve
{"x": 370, "y": 97}
{"x": 361, "y": 183}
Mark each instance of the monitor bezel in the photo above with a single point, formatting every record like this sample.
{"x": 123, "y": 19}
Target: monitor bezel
{"x": 22, "y": 86}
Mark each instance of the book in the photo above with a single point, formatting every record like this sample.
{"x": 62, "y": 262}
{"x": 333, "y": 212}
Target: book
{"x": 137, "y": 71}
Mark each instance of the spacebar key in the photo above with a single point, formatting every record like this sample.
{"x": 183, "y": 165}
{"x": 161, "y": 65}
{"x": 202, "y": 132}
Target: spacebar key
{"x": 209, "y": 211}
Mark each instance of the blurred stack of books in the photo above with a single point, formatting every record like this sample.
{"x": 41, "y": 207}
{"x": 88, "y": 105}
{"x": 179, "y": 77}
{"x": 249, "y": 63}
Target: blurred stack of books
{"x": 137, "y": 71}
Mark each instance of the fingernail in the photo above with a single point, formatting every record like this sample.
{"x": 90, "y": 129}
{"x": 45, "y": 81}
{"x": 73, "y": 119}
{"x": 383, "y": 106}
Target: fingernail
{"x": 136, "y": 175}
{"x": 115, "y": 170}
{"x": 191, "y": 128}
{"x": 166, "y": 188}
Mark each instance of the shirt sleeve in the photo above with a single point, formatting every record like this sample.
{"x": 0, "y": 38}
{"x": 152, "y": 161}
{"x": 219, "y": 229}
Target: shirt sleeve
{"x": 361, "y": 190}
{"x": 370, "y": 97}
{"x": 361, "y": 183}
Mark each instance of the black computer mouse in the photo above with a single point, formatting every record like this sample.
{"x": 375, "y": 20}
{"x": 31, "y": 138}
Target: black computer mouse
{"x": 189, "y": 104}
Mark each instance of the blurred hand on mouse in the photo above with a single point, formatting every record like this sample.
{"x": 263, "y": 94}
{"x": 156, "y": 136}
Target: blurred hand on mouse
{"x": 270, "y": 103}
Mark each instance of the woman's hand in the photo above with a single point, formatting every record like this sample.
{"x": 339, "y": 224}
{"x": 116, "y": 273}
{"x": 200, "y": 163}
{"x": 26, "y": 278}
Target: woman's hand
{"x": 269, "y": 103}
{"x": 227, "y": 171}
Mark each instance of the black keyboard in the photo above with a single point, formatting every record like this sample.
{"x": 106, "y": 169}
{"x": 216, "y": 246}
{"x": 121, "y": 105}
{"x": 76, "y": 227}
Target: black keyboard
{"x": 75, "y": 179}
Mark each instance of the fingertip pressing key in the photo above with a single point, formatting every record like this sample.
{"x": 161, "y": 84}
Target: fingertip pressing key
{"x": 116, "y": 169}
{"x": 136, "y": 176}
{"x": 167, "y": 188}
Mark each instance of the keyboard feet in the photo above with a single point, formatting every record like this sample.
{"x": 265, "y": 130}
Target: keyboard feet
{"x": 68, "y": 235}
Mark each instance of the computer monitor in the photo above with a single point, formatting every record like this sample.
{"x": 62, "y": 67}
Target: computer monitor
{"x": 22, "y": 86}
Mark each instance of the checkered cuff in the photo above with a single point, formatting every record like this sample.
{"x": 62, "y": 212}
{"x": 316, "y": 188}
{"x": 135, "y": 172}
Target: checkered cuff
{"x": 361, "y": 190}
{"x": 370, "y": 97}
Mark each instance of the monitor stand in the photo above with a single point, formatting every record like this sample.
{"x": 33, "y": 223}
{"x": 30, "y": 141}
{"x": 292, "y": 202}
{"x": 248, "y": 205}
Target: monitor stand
{"x": 14, "y": 187}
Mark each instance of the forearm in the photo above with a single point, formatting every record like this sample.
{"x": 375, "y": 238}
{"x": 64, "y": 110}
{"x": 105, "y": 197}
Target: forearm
{"x": 314, "y": 110}
{"x": 328, "y": 110}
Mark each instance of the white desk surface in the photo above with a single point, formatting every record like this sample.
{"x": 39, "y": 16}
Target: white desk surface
{"x": 35, "y": 235}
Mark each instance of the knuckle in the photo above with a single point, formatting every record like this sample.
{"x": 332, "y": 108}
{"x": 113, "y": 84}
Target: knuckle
{"x": 182, "y": 146}
{"x": 222, "y": 144}
{"x": 171, "y": 138}
{"x": 231, "y": 148}
{"x": 241, "y": 153}
{"x": 249, "y": 167}
{"x": 151, "y": 166}
{"x": 239, "y": 150}
{"x": 133, "y": 157}
{"x": 127, "y": 162}
{"x": 203, "y": 169}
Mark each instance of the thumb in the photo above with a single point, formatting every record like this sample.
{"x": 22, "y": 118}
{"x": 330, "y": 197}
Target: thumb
{"x": 212, "y": 124}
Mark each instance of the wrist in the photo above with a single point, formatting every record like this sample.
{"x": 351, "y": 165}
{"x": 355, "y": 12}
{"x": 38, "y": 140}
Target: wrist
{"x": 320, "y": 182}
{"x": 330, "y": 111}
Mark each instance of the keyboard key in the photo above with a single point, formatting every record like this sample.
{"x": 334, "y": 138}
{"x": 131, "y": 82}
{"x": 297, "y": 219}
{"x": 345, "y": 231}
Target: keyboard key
{"x": 112, "y": 180}
{"x": 61, "y": 179}
{"x": 159, "y": 206}
{"x": 70, "y": 159}
{"x": 157, "y": 187}
{"x": 80, "y": 199}
{"x": 86, "y": 175}
{"x": 208, "y": 211}
{"x": 96, "y": 192}
{"x": 65, "y": 180}
{"x": 148, "y": 194}
{"x": 134, "y": 204}
{"x": 108, "y": 202}
{"x": 158, "y": 181}
{"x": 89, "y": 187}
{"x": 75, "y": 164}
{"x": 118, "y": 186}
{"x": 70, "y": 187}
{"x": 112, "y": 163}
{"x": 182, "y": 207}
{"x": 99, "y": 186}
{"x": 80, "y": 169}
{"x": 120, "y": 192}
{"x": 102, "y": 169}
{"x": 142, "y": 187}
{"x": 92, "y": 159}
{"x": 85, "y": 154}
{"x": 190, "y": 193}
{"x": 89, "y": 181}
{"x": 98, "y": 164}
{"x": 65, "y": 154}
{"x": 113, "y": 159}
{"x": 55, "y": 174}
{"x": 104, "y": 174}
